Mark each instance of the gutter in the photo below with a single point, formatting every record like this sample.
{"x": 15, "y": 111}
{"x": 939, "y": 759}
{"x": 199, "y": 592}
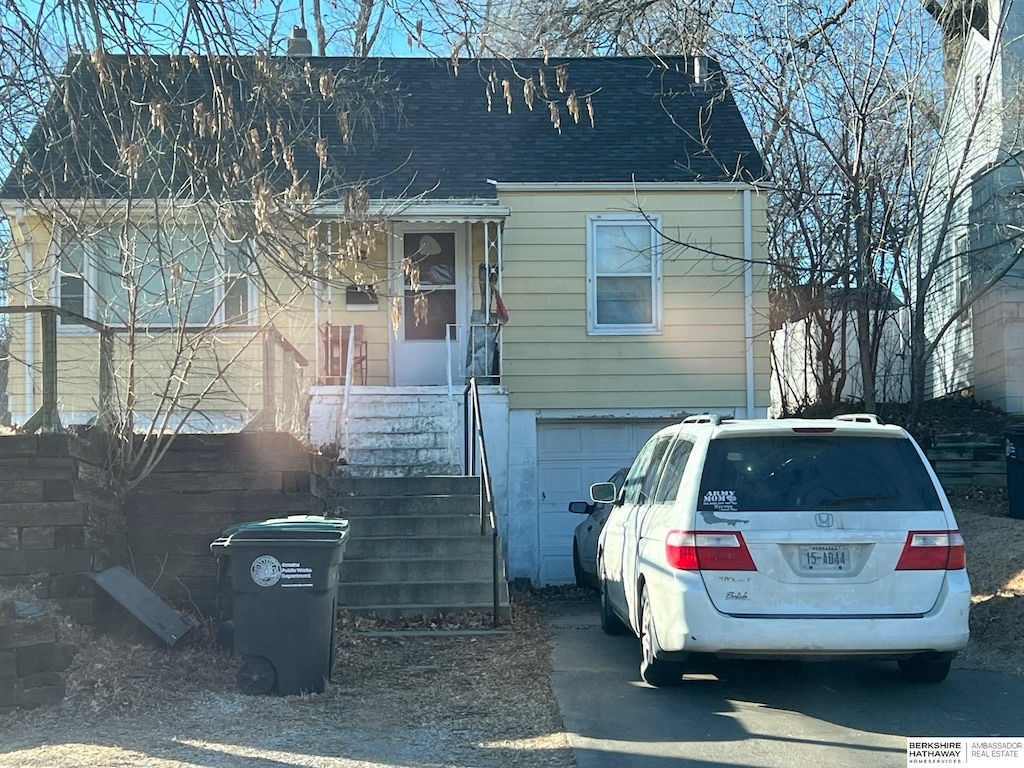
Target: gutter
{"x": 640, "y": 186}
{"x": 748, "y": 300}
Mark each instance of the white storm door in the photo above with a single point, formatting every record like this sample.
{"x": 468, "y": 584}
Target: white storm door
{"x": 432, "y": 288}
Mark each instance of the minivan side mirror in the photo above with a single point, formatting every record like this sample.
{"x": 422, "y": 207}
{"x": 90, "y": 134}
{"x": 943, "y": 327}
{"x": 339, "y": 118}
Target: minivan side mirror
{"x": 603, "y": 493}
{"x": 580, "y": 508}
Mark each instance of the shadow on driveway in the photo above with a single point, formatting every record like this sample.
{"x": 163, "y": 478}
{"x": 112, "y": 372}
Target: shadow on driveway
{"x": 782, "y": 714}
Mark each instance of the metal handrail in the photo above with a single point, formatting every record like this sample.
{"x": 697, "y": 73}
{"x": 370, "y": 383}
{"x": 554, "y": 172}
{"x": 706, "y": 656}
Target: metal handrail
{"x": 349, "y": 363}
{"x": 463, "y": 369}
{"x": 476, "y": 454}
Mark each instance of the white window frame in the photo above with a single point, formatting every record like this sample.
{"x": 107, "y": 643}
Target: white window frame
{"x": 594, "y": 222}
{"x": 92, "y": 303}
{"x": 65, "y": 327}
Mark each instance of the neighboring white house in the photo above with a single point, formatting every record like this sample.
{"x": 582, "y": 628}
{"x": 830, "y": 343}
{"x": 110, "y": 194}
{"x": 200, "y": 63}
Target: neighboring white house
{"x": 801, "y": 345}
{"x": 977, "y": 179}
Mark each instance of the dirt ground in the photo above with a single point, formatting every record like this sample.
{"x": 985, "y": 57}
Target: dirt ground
{"x": 477, "y": 700}
{"x": 995, "y": 564}
{"x": 468, "y": 700}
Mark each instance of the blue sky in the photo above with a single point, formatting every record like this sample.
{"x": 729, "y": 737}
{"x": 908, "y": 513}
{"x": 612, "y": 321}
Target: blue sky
{"x": 159, "y": 23}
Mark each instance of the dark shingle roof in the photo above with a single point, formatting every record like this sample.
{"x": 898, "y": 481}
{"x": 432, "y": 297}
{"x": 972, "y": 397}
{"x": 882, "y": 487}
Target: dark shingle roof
{"x": 416, "y": 128}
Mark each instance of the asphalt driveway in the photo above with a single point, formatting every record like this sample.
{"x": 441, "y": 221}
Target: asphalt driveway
{"x": 764, "y": 714}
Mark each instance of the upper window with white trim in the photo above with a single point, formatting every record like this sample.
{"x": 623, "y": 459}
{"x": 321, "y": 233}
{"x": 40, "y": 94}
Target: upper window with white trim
{"x": 154, "y": 276}
{"x": 623, "y": 274}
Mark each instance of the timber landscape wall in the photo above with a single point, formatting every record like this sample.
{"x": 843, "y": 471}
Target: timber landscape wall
{"x": 60, "y": 523}
{"x": 204, "y": 484}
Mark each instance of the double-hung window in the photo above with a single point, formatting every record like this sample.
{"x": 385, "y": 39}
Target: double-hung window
{"x": 623, "y": 274}
{"x": 155, "y": 276}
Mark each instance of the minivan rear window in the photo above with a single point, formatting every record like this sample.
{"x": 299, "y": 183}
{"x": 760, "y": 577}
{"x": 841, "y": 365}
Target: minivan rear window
{"x": 763, "y": 473}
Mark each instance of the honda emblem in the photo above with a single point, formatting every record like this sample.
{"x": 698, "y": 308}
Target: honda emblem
{"x": 823, "y": 519}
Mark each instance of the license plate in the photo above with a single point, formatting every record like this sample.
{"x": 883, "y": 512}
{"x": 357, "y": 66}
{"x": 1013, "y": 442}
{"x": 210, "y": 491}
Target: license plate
{"x": 824, "y": 558}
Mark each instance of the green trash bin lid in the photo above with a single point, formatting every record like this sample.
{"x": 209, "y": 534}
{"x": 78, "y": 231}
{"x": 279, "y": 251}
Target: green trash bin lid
{"x": 293, "y": 527}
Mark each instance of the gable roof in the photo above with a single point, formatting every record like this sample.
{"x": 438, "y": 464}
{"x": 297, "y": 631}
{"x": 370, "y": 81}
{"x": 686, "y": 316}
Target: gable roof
{"x": 401, "y": 126}
{"x": 795, "y": 303}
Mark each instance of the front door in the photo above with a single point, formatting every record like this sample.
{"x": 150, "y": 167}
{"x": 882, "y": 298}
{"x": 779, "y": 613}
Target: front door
{"x": 430, "y": 263}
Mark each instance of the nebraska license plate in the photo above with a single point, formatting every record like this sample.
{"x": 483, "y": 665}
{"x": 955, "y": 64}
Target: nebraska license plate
{"x": 824, "y": 557}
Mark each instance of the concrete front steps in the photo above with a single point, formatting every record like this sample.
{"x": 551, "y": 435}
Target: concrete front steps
{"x": 395, "y": 432}
{"x": 415, "y": 547}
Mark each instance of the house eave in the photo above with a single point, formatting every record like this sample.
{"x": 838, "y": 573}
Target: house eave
{"x": 417, "y": 211}
{"x": 640, "y": 186}
{"x": 447, "y": 211}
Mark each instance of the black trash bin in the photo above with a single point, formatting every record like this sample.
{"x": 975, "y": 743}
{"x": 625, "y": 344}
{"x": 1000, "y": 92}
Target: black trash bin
{"x": 284, "y": 581}
{"x": 1015, "y": 469}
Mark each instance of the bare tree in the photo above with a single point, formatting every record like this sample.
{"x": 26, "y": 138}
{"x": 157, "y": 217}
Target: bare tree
{"x": 593, "y": 27}
{"x": 181, "y": 167}
{"x": 846, "y": 101}
{"x": 968, "y": 234}
{"x": 836, "y": 94}
{"x": 888, "y": 185}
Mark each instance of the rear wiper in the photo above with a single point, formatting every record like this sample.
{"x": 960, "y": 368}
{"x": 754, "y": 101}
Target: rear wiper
{"x": 854, "y": 500}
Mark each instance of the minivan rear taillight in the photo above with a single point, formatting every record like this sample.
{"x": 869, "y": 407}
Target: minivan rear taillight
{"x": 932, "y": 551}
{"x": 708, "y": 551}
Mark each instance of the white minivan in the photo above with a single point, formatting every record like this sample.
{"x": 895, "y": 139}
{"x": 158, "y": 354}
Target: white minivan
{"x": 786, "y": 538}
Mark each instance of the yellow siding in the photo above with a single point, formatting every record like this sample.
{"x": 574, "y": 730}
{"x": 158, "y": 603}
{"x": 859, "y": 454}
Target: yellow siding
{"x": 549, "y": 360}
{"x": 292, "y": 309}
{"x": 697, "y": 361}
{"x": 224, "y": 367}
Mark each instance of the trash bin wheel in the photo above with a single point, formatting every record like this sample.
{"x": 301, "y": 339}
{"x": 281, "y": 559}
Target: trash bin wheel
{"x": 256, "y": 676}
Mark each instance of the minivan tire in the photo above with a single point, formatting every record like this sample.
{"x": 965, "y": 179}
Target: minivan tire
{"x": 654, "y": 671}
{"x": 610, "y": 623}
{"x": 921, "y": 669}
{"x": 577, "y": 569}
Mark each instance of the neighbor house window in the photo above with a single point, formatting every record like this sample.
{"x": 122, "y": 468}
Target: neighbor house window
{"x": 623, "y": 274}
{"x": 152, "y": 276}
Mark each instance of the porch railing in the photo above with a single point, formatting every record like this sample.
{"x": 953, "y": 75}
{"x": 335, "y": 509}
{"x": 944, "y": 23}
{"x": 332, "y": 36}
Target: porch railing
{"x": 46, "y": 418}
{"x": 283, "y": 411}
{"x": 480, "y": 359}
{"x": 346, "y": 414}
{"x": 477, "y": 464}
{"x": 279, "y": 377}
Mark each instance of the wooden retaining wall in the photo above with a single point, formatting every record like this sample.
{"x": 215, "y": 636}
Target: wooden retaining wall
{"x": 204, "y": 484}
{"x": 58, "y": 523}
{"x": 32, "y": 660}
{"x": 969, "y": 460}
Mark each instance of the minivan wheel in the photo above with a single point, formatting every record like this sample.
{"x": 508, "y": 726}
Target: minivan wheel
{"x": 577, "y": 569}
{"x": 610, "y": 623}
{"x": 654, "y": 671}
{"x": 922, "y": 669}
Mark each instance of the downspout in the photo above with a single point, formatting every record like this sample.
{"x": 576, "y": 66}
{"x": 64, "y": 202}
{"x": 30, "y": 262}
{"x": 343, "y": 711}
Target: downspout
{"x": 748, "y": 300}
{"x": 30, "y": 320}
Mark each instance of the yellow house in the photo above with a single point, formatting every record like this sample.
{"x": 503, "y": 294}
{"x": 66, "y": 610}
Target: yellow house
{"x": 584, "y": 237}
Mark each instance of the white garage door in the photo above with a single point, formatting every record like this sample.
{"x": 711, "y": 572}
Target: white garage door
{"x": 571, "y": 455}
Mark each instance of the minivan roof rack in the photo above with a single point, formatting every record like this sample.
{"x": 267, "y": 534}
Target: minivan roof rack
{"x": 703, "y": 418}
{"x": 860, "y": 418}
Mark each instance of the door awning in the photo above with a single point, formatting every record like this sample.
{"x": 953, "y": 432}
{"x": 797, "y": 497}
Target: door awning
{"x": 427, "y": 211}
